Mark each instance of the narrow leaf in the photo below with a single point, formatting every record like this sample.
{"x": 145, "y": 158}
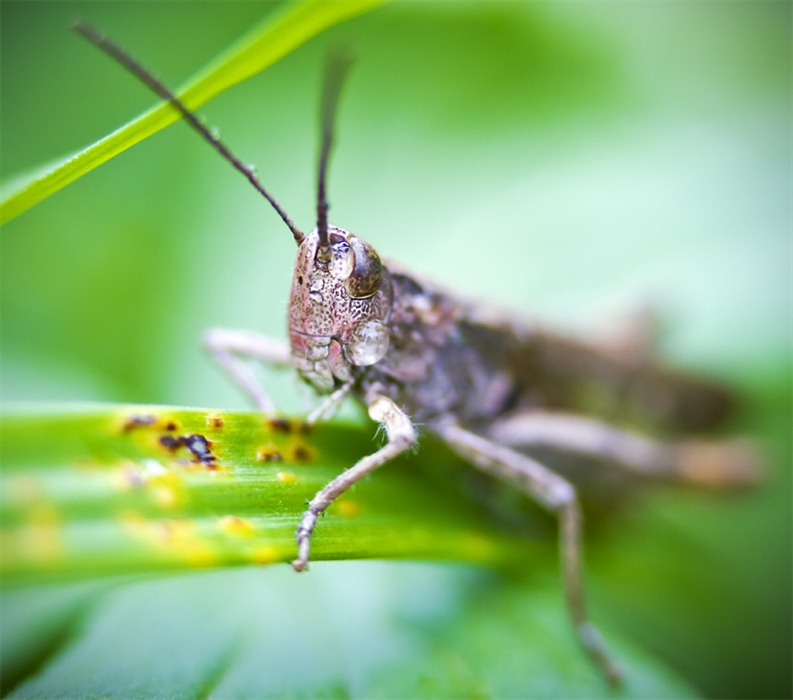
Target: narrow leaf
{"x": 133, "y": 488}
{"x": 273, "y": 39}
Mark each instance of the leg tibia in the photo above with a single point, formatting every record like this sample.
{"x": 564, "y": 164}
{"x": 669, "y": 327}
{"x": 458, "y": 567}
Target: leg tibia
{"x": 558, "y": 496}
{"x": 401, "y": 436}
{"x": 230, "y": 348}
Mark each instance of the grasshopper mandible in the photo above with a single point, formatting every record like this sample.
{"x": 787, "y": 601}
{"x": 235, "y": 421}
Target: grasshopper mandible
{"x": 499, "y": 392}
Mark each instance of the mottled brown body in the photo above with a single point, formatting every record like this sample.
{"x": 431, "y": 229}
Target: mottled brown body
{"x": 450, "y": 357}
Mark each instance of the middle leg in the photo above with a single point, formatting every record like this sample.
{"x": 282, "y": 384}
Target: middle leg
{"x": 557, "y": 495}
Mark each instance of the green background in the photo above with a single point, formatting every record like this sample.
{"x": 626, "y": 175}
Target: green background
{"x": 572, "y": 162}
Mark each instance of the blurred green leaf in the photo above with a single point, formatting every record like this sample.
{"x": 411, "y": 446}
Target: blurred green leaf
{"x": 273, "y": 39}
{"x": 357, "y": 630}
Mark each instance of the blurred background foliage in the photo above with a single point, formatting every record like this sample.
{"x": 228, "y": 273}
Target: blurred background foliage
{"x": 573, "y": 162}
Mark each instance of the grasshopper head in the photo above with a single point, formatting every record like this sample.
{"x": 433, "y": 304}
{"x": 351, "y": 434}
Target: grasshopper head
{"x": 339, "y": 307}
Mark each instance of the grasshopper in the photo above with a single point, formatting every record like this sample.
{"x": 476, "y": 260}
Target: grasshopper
{"x": 504, "y": 394}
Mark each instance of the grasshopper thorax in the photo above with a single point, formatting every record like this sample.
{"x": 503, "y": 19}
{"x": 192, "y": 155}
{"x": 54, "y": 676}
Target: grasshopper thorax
{"x": 339, "y": 308}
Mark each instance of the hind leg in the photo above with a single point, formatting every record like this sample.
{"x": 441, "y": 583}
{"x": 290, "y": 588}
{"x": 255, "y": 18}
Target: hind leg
{"x": 699, "y": 461}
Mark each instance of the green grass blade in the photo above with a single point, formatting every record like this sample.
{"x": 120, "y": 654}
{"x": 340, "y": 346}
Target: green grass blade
{"x": 114, "y": 489}
{"x": 277, "y": 36}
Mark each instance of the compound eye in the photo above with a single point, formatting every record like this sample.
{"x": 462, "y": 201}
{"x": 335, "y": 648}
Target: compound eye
{"x": 364, "y": 280}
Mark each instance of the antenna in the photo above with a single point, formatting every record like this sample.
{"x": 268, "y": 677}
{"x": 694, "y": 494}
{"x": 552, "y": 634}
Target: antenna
{"x": 118, "y": 54}
{"x": 338, "y": 66}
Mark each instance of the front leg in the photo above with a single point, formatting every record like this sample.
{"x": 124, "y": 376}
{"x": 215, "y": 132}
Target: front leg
{"x": 556, "y": 495}
{"x": 401, "y": 436}
{"x": 230, "y": 347}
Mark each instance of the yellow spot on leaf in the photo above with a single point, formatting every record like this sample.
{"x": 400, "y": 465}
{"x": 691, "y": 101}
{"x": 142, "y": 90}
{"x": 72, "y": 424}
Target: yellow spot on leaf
{"x": 266, "y": 554}
{"x": 137, "y": 422}
{"x": 287, "y": 477}
{"x": 235, "y": 525}
{"x": 347, "y": 508}
{"x": 268, "y": 453}
{"x": 279, "y": 425}
{"x": 170, "y": 425}
{"x": 215, "y": 421}
{"x": 176, "y": 537}
{"x": 198, "y": 554}
{"x": 129, "y": 476}
{"x": 301, "y": 453}
{"x": 176, "y": 531}
{"x": 165, "y": 496}
{"x": 164, "y": 486}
